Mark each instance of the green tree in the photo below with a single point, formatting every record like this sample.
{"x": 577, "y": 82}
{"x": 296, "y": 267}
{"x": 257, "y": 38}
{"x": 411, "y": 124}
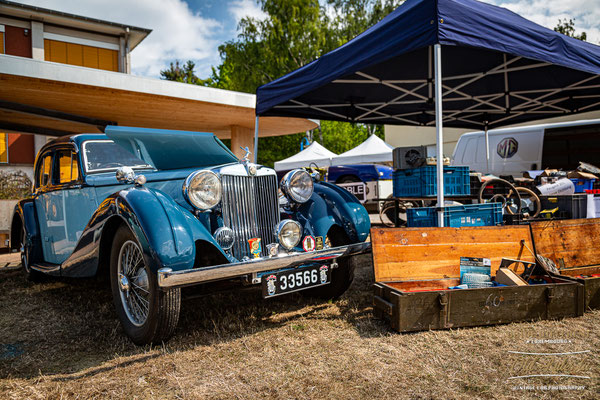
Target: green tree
{"x": 294, "y": 33}
{"x": 183, "y": 73}
{"x": 567, "y": 27}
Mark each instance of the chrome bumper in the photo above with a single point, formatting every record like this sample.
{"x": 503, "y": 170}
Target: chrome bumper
{"x": 167, "y": 278}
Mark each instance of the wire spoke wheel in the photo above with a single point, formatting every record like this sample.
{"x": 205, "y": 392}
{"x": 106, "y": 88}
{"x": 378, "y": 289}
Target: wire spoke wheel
{"x": 133, "y": 283}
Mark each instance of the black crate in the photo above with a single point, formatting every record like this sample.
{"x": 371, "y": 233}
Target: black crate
{"x": 569, "y": 206}
{"x": 409, "y": 157}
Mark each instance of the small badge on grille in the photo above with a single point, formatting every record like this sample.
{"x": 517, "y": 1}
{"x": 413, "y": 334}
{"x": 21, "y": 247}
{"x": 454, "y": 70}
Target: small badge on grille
{"x": 319, "y": 242}
{"x": 255, "y": 247}
{"x": 309, "y": 243}
{"x": 271, "y": 281}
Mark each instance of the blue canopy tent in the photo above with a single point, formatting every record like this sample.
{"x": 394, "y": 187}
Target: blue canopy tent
{"x": 490, "y": 67}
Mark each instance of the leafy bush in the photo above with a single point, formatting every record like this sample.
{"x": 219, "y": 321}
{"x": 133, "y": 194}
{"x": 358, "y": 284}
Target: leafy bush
{"x": 14, "y": 185}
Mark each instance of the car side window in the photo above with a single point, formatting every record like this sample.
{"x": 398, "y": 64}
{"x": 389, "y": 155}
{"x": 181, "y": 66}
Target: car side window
{"x": 68, "y": 169}
{"x": 43, "y": 176}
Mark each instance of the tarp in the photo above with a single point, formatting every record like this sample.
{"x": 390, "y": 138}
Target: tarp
{"x": 497, "y": 67}
{"x": 313, "y": 154}
{"x": 373, "y": 150}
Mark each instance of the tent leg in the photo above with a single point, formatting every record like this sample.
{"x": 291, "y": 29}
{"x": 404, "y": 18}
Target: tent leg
{"x": 437, "y": 60}
{"x": 487, "y": 150}
{"x": 256, "y": 140}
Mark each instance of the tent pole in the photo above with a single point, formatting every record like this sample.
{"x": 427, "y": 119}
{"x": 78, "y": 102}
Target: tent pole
{"x": 437, "y": 60}
{"x": 487, "y": 149}
{"x": 256, "y": 140}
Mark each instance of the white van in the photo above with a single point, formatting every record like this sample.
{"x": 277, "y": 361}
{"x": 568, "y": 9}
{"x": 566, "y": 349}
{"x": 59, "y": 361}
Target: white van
{"x": 514, "y": 150}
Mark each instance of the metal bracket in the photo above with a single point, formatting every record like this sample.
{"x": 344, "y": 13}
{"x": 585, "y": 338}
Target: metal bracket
{"x": 443, "y": 299}
{"x": 549, "y": 293}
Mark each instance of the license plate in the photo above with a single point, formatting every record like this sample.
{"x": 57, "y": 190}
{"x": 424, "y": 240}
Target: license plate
{"x": 296, "y": 279}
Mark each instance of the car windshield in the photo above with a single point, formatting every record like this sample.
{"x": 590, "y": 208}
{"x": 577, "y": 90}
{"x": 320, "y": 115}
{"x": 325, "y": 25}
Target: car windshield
{"x": 105, "y": 155}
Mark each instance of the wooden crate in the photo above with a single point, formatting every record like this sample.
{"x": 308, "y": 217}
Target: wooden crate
{"x": 573, "y": 244}
{"x": 414, "y": 267}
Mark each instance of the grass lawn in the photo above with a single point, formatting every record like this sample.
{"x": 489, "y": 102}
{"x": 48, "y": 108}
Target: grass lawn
{"x": 62, "y": 340}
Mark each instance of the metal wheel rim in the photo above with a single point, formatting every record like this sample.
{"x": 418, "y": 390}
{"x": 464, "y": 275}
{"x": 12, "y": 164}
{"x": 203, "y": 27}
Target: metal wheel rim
{"x": 134, "y": 287}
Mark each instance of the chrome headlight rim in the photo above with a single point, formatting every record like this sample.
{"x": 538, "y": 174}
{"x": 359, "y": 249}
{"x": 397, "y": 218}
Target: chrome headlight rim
{"x": 280, "y": 227}
{"x": 287, "y": 189}
{"x": 187, "y": 185}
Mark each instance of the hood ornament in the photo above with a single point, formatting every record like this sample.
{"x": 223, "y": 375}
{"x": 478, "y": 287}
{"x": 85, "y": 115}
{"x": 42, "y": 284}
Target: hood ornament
{"x": 245, "y": 161}
{"x": 246, "y": 157}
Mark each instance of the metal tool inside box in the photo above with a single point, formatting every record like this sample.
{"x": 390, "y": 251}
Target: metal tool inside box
{"x": 416, "y": 267}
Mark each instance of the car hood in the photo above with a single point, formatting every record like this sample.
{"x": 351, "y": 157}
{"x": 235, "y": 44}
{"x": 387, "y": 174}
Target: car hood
{"x": 167, "y": 150}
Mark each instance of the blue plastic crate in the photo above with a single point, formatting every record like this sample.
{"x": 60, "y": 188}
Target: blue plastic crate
{"x": 421, "y": 182}
{"x": 581, "y": 185}
{"x": 486, "y": 214}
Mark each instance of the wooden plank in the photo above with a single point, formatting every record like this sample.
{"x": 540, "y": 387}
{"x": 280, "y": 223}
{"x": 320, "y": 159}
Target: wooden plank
{"x": 572, "y": 243}
{"x": 401, "y": 254}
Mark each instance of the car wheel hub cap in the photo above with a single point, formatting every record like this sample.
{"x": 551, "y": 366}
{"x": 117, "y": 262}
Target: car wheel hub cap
{"x": 133, "y": 283}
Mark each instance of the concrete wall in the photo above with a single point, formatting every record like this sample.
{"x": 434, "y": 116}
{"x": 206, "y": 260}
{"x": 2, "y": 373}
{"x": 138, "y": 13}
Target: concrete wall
{"x": 6, "y": 212}
{"x": 402, "y": 136}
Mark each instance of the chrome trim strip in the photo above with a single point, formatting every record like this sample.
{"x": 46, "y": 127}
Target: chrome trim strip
{"x": 167, "y": 278}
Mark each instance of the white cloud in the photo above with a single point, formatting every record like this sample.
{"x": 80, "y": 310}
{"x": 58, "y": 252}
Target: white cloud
{"x": 585, "y": 13}
{"x": 177, "y": 32}
{"x": 245, "y": 8}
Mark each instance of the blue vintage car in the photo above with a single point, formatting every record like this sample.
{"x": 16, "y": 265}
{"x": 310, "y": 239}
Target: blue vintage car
{"x": 157, "y": 210}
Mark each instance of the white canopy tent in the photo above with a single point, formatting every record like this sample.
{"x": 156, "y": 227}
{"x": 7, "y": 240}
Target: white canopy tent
{"x": 372, "y": 150}
{"x": 313, "y": 154}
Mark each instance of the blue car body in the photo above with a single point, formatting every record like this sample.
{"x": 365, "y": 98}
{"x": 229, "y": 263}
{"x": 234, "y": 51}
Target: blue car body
{"x": 67, "y": 229}
{"x": 359, "y": 173}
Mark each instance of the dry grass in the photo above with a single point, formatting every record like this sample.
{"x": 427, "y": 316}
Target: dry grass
{"x": 62, "y": 340}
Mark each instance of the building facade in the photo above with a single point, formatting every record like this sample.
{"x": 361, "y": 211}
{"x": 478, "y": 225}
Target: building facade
{"x": 48, "y": 35}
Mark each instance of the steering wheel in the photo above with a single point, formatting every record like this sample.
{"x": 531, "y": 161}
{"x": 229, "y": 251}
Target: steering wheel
{"x": 498, "y": 190}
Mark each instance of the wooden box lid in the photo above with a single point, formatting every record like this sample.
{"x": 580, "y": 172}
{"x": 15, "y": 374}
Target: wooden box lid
{"x": 412, "y": 254}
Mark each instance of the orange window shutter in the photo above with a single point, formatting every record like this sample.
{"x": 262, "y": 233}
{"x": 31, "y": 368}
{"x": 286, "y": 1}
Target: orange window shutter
{"x": 74, "y": 54}
{"x": 90, "y": 57}
{"x": 115, "y": 60}
{"x": 1, "y": 42}
{"x": 47, "y": 51}
{"x": 58, "y": 51}
{"x": 3, "y": 148}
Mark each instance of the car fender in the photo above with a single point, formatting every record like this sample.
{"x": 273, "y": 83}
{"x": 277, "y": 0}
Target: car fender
{"x": 331, "y": 205}
{"x": 25, "y": 217}
{"x": 166, "y": 232}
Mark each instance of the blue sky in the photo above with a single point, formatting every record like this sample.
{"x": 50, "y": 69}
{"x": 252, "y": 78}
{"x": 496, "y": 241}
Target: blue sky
{"x": 193, "y": 29}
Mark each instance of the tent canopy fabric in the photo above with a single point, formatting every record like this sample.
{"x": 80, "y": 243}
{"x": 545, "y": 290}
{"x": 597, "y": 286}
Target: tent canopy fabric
{"x": 372, "y": 150}
{"x": 498, "y": 69}
{"x": 313, "y": 154}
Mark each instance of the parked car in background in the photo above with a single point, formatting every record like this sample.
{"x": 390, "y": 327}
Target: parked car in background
{"x": 367, "y": 181}
{"x": 157, "y": 210}
{"x": 514, "y": 150}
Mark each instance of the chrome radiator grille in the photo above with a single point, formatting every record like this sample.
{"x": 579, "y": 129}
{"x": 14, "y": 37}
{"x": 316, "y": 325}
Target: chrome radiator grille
{"x": 250, "y": 208}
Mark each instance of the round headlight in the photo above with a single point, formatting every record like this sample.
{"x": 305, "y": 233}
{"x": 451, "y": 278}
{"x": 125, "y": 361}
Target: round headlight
{"x": 289, "y": 233}
{"x": 297, "y": 185}
{"x": 202, "y": 189}
{"x": 224, "y": 237}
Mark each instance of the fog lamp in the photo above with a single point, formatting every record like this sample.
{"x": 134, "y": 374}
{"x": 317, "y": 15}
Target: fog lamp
{"x": 289, "y": 233}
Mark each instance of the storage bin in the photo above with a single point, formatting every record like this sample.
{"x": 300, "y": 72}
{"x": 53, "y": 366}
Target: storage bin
{"x": 485, "y": 214}
{"x": 569, "y": 206}
{"x": 581, "y": 185}
{"x": 422, "y": 182}
{"x": 415, "y": 267}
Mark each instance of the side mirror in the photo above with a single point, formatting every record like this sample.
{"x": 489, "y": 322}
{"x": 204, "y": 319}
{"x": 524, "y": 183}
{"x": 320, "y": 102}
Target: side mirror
{"x": 125, "y": 175}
